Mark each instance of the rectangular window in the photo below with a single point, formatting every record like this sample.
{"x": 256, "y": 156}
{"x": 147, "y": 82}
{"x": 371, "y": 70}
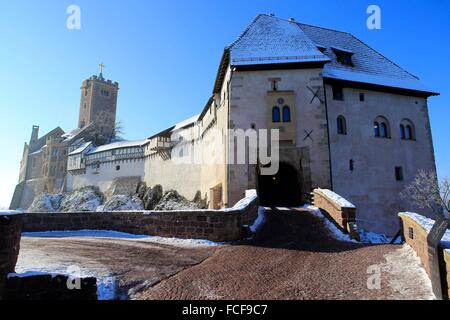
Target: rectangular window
{"x": 362, "y": 97}
{"x": 338, "y": 93}
{"x": 399, "y": 173}
{"x": 117, "y": 168}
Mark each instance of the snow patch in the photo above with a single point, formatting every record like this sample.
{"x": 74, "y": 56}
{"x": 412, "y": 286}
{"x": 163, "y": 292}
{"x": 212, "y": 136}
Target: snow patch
{"x": 260, "y": 220}
{"x": 343, "y": 203}
{"x": 121, "y": 235}
{"x": 10, "y": 213}
{"x": 407, "y": 276}
{"x": 250, "y": 196}
{"x": 335, "y": 231}
{"x": 369, "y": 237}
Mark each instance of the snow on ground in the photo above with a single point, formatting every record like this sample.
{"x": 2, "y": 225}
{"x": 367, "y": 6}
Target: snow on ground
{"x": 121, "y": 235}
{"x": 260, "y": 220}
{"x": 370, "y": 237}
{"x": 335, "y": 231}
{"x": 406, "y": 275}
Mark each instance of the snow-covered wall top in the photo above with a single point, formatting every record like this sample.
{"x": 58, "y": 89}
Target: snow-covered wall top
{"x": 427, "y": 224}
{"x": 343, "y": 203}
{"x": 10, "y": 213}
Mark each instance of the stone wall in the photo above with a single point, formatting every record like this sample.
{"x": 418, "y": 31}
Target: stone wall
{"x": 49, "y": 287}
{"x": 415, "y": 235}
{"x": 343, "y": 216}
{"x": 215, "y": 225}
{"x": 10, "y": 233}
{"x": 415, "y": 231}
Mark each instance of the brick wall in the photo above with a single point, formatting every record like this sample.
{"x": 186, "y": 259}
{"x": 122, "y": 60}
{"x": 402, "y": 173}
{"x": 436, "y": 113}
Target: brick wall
{"x": 342, "y": 216}
{"x": 10, "y": 233}
{"x": 215, "y": 225}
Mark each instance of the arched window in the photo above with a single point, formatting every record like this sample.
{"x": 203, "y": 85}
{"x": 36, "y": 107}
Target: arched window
{"x": 382, "y": 128}
{"x": 402, "y": 132}
{"x": 376, "y": 127}
{"x": 341, "y": 125}
{"x": 407, "y": 131}
{"x": 286, "y": 114}
{"x": 276, "y": 116}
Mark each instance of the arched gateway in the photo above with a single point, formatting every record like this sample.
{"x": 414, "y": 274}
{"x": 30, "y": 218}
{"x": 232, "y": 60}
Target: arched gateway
{"x": 281, "y": 189}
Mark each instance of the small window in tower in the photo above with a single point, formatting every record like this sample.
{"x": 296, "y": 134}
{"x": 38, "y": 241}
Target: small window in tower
{"x": 362, "y": 97}
{"x": 338, "y": 93}
{"x": 351, "y": 165}
{"x": 399, "y": 173}
{"x": 117, "y": 168}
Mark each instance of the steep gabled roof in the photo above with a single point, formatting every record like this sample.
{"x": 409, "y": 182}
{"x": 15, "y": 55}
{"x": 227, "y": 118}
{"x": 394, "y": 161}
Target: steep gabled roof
{"x": 268, "y": 40}
{"x": 271, "y": 40}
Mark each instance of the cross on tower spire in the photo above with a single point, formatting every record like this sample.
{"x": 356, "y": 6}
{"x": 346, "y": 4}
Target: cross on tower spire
{"x": 102, "y": 66}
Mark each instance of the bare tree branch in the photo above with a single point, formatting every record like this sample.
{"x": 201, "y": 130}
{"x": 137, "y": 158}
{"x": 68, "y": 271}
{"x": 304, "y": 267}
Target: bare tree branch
{"x": 426, "y": 192}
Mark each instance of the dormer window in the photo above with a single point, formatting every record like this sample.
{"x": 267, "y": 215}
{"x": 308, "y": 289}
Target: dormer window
{"x": 343, "y": 56}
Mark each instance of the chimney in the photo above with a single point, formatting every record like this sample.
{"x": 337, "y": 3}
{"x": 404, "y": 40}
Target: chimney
{"x": 34, "y": 134}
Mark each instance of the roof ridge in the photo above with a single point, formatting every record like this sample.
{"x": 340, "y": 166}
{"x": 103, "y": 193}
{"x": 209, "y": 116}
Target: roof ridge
{"x": 385, "y": 57}
{"x": 243, "y": 33}
{"x": 329, "y": 29}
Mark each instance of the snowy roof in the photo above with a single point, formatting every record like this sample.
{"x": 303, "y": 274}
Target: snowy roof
{"x": 36, "y": 152}
{"x": 81, "y": 148}
{"x": 369, "y": 66}
{"x": 272, "y": 40}
{"x": 269, "y": 40}
{"x": 74, "y": 133}
{"x": 119, "y": 145}
{"x": 186, "y": 122}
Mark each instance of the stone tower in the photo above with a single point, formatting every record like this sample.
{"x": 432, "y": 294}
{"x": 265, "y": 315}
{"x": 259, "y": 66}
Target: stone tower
{"x": 98, "y": 103}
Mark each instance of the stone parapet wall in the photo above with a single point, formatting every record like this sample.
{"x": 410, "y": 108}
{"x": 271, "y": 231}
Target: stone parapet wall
{"x": 415, "y": 235}
{"x": 214, "y": 225}
{"x": 49, "y": 287}
{"x": 343, "y": 215}
{"x": 447, "y": 264}
{"x": 10, "y": 234}
{"x": 415, "y": 232}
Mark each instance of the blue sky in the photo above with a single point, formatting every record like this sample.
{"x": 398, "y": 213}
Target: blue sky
{"x": 165, "y": 55}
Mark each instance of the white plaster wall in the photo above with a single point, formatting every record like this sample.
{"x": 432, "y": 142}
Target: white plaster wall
{"x": 372, "y": 186}
{"x": 106, "y": 174}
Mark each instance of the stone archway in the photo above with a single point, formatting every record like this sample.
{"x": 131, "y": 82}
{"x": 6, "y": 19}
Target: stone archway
{"x": 281, "y": 189}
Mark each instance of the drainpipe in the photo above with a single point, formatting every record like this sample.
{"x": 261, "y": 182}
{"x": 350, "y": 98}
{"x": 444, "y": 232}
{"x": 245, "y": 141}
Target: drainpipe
{"x": 227, "y": 141}
{"x": 328, "y": 134}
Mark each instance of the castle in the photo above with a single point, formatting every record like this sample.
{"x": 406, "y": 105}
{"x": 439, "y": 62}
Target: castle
{"x": 349, "y": 119}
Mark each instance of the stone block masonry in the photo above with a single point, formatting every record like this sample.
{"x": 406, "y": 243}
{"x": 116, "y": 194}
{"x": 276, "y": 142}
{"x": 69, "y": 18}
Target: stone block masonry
{"x": 214, "y": 225}
{"x": 339, "y": 210}
{"x": 10, "y": 233}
